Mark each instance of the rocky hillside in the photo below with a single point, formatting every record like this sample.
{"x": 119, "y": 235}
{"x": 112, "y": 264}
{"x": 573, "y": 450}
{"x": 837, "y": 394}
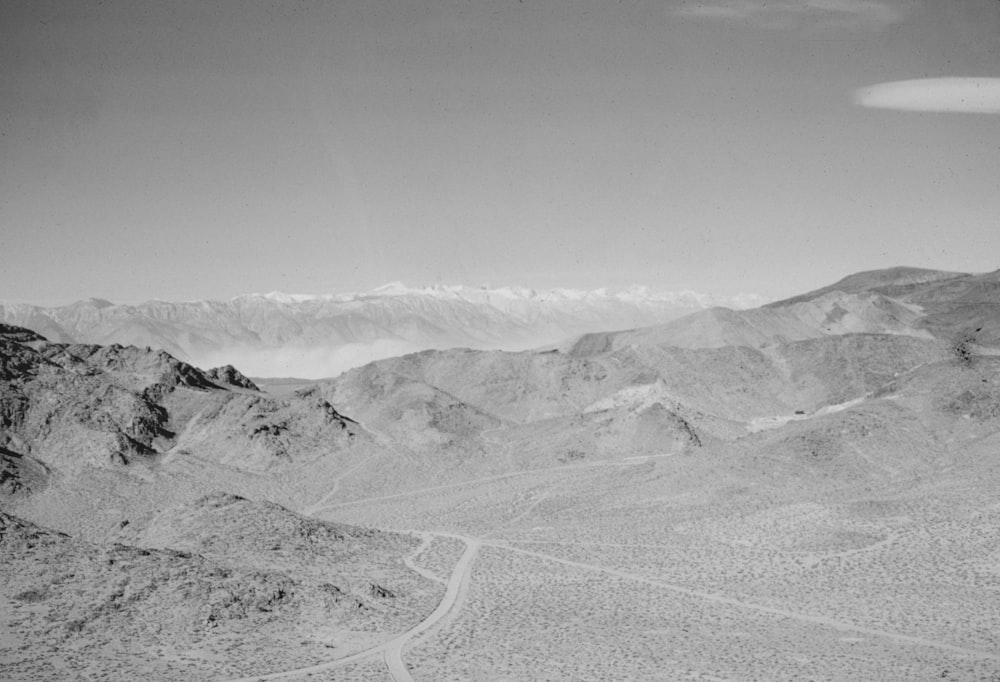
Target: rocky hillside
{"x": 221, "y": 587}
{"x": 77, "y": 405}
{"x": 906, "y": 301}
{"x": 119, "y": 449}
{"x": 816, "y": 365}
{"x": 842, "y": 443}
{"x": 89, "y": 432}
{"x": 952, "y": 305}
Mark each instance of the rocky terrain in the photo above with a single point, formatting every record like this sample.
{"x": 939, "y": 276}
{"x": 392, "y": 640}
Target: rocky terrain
{"x": 905, "y": 301}
{"x": 235, "y": 588}
{"x": 806, "y": 490}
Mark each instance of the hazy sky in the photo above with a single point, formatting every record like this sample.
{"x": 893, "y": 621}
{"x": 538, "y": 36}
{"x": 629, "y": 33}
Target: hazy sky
{"x": 183, "y": 150}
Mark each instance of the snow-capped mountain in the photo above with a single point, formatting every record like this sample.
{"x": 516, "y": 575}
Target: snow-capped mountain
{"x": 278, "y": 334}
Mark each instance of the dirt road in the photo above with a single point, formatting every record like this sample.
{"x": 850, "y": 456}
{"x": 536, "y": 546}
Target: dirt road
{"x": 391, "y": 651}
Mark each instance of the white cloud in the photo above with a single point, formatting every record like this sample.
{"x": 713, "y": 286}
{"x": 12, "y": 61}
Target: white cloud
{"x": 788, "y": 13}
{"x": 966, "y": 95}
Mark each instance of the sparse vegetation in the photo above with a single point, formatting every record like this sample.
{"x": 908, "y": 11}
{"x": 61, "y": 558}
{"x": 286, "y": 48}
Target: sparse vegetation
{"x": 823, "y": 508}
{"x": 963, "y": 346}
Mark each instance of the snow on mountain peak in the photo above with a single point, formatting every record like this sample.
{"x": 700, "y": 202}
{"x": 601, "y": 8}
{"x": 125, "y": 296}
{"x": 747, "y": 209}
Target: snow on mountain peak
{"x": 281, "y": 297}
{"x": 504, "y": 296}
{"x": 391, "y": 289}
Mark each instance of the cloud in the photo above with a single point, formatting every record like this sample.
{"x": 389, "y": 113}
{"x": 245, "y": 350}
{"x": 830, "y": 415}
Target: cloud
{"x": 789, "y": 13}
{"x": 966, "y": 95}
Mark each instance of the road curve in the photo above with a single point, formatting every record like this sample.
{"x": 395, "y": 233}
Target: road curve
{"x": 425, "y": 541}
{"x": 392, "y": 650}
{"x": 458, "y": 584}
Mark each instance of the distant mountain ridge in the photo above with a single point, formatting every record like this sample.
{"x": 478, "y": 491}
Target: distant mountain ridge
{"x": 278, "y": 334}
{"x": 829, "y": 460}
{"x": 906, "y": 301}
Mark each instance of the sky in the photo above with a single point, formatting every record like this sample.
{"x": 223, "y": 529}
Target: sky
{"x": 202, "y": 150}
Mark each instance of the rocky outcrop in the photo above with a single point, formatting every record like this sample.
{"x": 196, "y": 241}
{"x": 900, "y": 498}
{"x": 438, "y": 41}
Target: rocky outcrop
{"x": 109, "y": 597}
{"x": 229, "y": 375}
{"x": 73, "y": 405}
{"x": 19, "y": 475}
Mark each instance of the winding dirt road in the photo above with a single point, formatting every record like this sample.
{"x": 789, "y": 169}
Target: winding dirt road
{"x": 391, "y": 651}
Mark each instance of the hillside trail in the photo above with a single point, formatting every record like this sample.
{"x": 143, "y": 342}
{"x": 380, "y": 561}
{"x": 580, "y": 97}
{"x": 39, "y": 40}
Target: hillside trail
{"x": 539, "y": 500}
{"x": 381, "y": 439}
{"x": 551, "y": 489}
{"x": 624, "y": 462}
{"x": 487, "y": 439}
{"x": 335, "y": 486}
{"x": 758, "y": 424}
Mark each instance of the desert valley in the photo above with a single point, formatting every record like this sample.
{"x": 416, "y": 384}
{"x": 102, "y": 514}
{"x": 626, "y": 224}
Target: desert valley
{"x": 805, "y": 490}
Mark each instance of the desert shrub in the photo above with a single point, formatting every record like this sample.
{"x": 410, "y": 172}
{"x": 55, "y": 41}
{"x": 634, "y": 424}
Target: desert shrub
{"x": 32, "y": 596}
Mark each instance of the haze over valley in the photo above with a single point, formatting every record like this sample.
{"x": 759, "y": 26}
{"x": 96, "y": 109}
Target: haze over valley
{"x": 687, "y": 367}
{"x": 310, "y": 336}
{"x": 805, "y": 489}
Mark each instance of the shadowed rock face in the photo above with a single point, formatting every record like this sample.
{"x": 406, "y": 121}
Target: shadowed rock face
{"x": 75, "y": 404}
{"x": 72, "y": 405}
{"x": 18, "y": 334}
{"x": 20, "y": 475}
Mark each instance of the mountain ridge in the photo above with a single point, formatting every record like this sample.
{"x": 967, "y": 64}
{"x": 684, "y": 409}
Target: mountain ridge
{"x": 957, "y": 307}
{"x": 315, "y": 336}
{"x": 821, "y": 472}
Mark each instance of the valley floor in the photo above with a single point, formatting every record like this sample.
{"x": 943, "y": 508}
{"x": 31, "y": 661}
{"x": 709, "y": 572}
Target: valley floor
{"x": 819, "y": 510}
{"x": 638, "y": 569}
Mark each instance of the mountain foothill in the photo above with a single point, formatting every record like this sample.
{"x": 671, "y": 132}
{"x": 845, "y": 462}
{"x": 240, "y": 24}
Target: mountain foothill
{"x": 801, "y": 490}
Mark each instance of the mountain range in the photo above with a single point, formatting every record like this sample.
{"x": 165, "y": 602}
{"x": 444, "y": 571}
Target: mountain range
{"x": 802, "y": 490}
{"x": 273, "y": 335}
